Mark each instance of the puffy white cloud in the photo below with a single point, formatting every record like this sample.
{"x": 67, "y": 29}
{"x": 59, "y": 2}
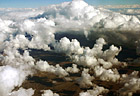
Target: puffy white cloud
{"x": 5, "y": 26}
{"x": 76, "y": 18}
{"x": 15, "y": 69}
{"x": 95, "y": 56}
{"x": 14, "y": 58}
{"x": 58, "y": 70}
{"x": 109, "y": 75}
{"x": 5, "y": 30}
{"x": 72, "y": 69}
{"x": 106, "y": 75}
{"x": 130, "y": 87}
{"x": 95, "y": 92}
{"x": 41, "y": 31}
{"x": 100, "y": 61}
{"x": 22, "y": 92}
{"x": 10, "y": 78}
{"x": 131, "y": 84}
{"x": 77, "y": 15}
{"x": 85, "y": 80}
{"x": 65, "y": 46}
{"x": 16, "y": 42}
{"x": 48, "y": 93}
{"x": 43, "y": 66}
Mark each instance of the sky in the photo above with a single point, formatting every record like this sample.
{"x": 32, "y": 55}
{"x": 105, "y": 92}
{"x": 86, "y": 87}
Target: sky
{"x": 39, "y": 3}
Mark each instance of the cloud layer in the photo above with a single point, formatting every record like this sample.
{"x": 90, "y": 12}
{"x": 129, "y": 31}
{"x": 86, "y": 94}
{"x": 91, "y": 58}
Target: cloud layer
{"x": 37, "y": 28}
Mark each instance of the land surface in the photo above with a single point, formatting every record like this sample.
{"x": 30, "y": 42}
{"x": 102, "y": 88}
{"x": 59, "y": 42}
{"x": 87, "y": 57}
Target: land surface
{"x": 68, "y": 86}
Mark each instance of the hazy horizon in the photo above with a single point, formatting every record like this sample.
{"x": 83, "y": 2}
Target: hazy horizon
{"x": 39, "y": 3}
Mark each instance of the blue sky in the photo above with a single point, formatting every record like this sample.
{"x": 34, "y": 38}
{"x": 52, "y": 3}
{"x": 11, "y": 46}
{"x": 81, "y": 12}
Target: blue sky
{"x": 38, "y": 3}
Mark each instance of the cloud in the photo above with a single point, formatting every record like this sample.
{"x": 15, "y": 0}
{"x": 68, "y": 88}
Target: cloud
{"x": 131, "y": 84}
{"x": 89, "y": 57}
{"x": 85, "y": 81}
{"x": 78, "y": 18}
{"x": 14, "y": 70}
{"x": 100, "y": 61}
{"x": 121, "y": 6}
{"x": 95, "y": 92}
{"x": 65, "y": 46}
{"x": 19, "y": 13}
{"x": 10, "y": 78}
{"x": 49, "y": 93}
{"x": 37, "y": 30}
{"x": 134, "y": 12}
{"x": 72, "y": 69}
{"x": 58, "y": 70}
{"x": 22, "y": 92}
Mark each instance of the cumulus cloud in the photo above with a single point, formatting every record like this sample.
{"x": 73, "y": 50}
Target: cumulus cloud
{"x": 77, "y": 18}
{"x": 48, "y": 93}
{"x": 100, "y": 61}
{"x": 58, "y": 70}
{"x": 16, "y": 67}
{"x": 10, "y": 78}
{"x": 95, "y": 92}
{"x": 22, "y": 92}
{"x": 41, "y": 31}
{"x": 85, "y": 80}
{"x": 72, "y": 69}
{"x": 5, "y": 30}
{"x": 106, "y": 75}
{"x": 68, "y": 47}
{"x": 131, "y": 84}
{"x": 86, "y": 56}
{"x": 90, "y": 18}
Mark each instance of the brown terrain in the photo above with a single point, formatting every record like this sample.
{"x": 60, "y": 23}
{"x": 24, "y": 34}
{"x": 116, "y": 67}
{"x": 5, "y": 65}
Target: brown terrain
{"x": 44, "y": 80}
